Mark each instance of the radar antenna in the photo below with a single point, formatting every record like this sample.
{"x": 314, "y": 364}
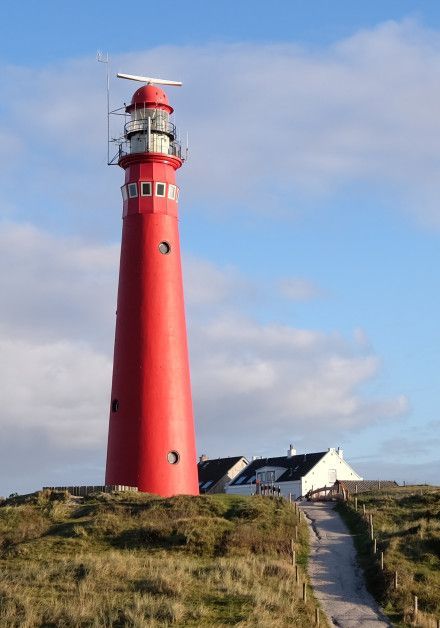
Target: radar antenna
{"x": 149, "y": 80}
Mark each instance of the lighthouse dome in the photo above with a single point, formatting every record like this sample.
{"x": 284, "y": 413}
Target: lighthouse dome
{"x": 151, "y": 97}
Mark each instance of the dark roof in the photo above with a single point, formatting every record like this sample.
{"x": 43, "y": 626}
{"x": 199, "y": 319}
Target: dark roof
{"x": 296, "y": 467}
{"x": 364, "y": 486}
{"x": 214, "y": 470}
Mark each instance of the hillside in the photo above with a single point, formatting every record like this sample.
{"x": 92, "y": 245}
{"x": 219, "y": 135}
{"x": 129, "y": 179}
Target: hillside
{"x": 132, "y": 559}
{"x": 406, "y": 523}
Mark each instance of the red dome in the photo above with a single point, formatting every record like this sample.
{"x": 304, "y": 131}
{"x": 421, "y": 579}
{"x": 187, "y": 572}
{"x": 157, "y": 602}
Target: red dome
{"x": 151, "y": 97}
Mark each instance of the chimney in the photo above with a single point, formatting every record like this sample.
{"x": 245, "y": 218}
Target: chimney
{"x": 203, "y": 458}
{"x": 291, "y": 451}
{"x": 340, "y": 453}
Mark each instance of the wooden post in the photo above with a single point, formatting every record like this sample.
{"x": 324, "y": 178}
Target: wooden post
{"x": 356, "y": 488}
{"x": 296, "y": 573}
{"x": 290, "y": 498}
{"x": 363, "y": 509}
{"x": 296, "y": 533}
{"x": 395, "y": 580}
{"x": 371, "y": 532}
{"x": 374, "y": 546}
{"x": 316, "y": 616}
{"x": 416, "y": 607}
{"x": 381, "y": 560}
{"x": 293, "y": 553}
{"x": 304, "y": 592}
{"x": 371, "y": 519}
{"x": 356, "y": 503}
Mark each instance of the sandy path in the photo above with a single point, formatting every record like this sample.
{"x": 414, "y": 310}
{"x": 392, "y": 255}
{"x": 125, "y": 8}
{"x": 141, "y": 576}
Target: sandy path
{"x": 337, "y": 580}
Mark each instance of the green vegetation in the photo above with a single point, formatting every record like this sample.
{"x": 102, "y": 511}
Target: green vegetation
{"x": 406, "y": 523}
{"x": 132, "y": 559}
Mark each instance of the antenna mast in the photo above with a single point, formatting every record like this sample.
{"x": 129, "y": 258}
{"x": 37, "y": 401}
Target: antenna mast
{"x": 101, "y": 58}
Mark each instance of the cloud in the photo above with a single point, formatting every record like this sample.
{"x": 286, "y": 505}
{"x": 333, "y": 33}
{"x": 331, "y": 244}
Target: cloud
{"x": 274, "y": 128}
{"x": 254, "y": 384}
{"x": 299, "y": 289}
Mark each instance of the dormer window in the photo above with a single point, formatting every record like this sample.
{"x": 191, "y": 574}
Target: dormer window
{"x": 132, "y": 190}
{"x": 172, "y": 192}
{"x": 160, "y": 189}
{"x": 146, "y": 188}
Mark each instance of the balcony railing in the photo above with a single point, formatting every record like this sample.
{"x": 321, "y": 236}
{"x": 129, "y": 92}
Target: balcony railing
{"x": 156, "y": 124}
{"x": 174, "y": 149}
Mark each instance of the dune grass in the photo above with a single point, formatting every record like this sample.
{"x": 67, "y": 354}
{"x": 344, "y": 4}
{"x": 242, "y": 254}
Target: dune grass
{"x": 139, "y": 560}
{"x": 406, "y": 522}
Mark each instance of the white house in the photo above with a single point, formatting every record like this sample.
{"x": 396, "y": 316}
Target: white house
{"x": 295, "y": 473}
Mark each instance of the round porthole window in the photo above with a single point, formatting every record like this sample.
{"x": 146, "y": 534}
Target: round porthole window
{"x": 164, "y": 248}
{"x": 173, "y": 457}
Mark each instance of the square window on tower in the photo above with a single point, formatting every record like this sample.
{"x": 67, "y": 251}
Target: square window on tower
{"x": 132, "y": 190}
{"x": 146, "y": 188}
{"x": 160, "y": 189}
{"x": 172, "y": 192}
{"x": 124, "y": 192}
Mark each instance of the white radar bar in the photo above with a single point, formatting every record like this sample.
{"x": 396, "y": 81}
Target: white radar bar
{"x": 148, "y": 79}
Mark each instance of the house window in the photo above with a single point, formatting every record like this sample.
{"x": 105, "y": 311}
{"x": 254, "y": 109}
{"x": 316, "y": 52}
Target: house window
{"x": 332, "y": 476}
{"x": 270, "y": 476}
{"x": 132, "y": 190}
{"x": 172, "y": 192}
{"x": 124, "y": 192}
{"x": 261, "y": 477}
{"x": 146, "y": 188}
{"x": 160, "y": 189}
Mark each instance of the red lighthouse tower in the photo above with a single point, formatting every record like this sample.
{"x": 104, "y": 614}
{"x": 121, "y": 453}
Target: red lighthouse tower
{"x": 151, "y": 441}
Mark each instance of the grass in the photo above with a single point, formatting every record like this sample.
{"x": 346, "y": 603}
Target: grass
{"x": 406, "y": 523}
{"x": 139, "y": 560}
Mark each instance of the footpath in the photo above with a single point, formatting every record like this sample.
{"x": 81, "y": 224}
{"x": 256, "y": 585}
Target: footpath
{"x": 337, "y": 579}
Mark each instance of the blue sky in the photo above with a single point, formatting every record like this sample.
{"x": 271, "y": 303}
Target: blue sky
{"x": 310, "y": 225}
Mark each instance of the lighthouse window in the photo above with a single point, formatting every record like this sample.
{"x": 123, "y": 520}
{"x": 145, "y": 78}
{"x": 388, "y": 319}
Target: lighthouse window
{"x": 132, "y": 190}
{"x": 160, "y": 189}
{"x": 146, "y": 188}
{"x": 172, "y": 192}
{"x": 124, "y": 193}
{"x": 173, "y": 457}
{"x": 164, "y": 248}
{"x": 115, "y": 405}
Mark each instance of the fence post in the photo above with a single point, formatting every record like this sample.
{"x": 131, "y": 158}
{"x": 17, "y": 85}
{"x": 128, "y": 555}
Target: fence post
{"x": 296, "y": 533}
{"x": 416, "y": 607}
{"x": 363, "y": 509}
{"x": 293, "y": 553}
{"x": 374, "y": 546}
{"x": 316, "y": 616}
{"x": 356, "y": 503}
{"x": 296, "y": 574}
{"x": 304, "y": 592}
{"x": 290, "y": 498}
{"x": 381, "y": 560}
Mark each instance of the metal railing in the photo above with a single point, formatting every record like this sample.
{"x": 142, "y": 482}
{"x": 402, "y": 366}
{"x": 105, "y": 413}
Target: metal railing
{"x": 174, "y": 149}
{"x": 150, "y": 124}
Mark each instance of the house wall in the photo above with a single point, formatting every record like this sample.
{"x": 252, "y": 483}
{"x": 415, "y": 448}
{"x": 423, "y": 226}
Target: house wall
{"x": 321, "y": 474}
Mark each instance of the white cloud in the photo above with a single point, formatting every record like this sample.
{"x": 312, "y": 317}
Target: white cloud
{"x": 299, "y": 289}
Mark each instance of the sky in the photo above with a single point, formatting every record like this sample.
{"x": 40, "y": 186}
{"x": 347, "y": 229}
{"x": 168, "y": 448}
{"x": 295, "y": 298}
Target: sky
{"x": 309, "y": 222}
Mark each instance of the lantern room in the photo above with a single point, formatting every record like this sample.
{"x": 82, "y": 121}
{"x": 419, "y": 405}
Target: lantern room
{"x": 149, "y": 129}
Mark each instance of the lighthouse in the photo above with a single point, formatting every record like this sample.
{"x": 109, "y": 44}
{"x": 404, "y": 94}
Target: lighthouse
{"x": 151, "y": 441}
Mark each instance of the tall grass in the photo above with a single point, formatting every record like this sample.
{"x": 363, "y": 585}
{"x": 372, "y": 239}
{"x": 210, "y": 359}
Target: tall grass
{"x": 138, "y": 560}
{"x": 407, "y": 527}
